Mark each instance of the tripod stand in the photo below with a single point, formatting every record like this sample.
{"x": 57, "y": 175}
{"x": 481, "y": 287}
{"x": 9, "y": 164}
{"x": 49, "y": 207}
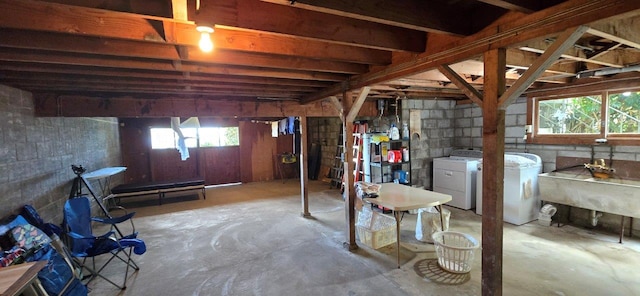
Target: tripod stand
{"x": 76, "y": 190}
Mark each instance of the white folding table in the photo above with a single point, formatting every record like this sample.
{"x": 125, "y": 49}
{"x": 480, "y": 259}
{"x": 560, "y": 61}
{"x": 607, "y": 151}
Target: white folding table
{"x": 401, "y": 198}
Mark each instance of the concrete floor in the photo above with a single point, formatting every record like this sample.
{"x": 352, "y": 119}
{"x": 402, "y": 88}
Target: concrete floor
{"x": 251, "y": 240}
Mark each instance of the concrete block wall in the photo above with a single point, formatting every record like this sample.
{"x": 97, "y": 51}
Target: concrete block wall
{"x": 437, "y": 128}
{"x": 36, "y": 154}
{"x": 326, "y": 132}
{"x": 468, "y": 131}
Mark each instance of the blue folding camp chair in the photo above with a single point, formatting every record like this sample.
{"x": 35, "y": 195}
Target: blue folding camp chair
{"x": 84, "y": 245}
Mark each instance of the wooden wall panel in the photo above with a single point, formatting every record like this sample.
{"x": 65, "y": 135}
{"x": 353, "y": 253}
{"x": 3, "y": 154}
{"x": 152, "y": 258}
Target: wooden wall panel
{"x": 284, "y": 144}
{"x": 135, "y": 146}
{"x": 166, "y": 164}
{"x": 253, "y": 161}
{"x": 220, "y": 165}
{"x": 257, "y": 148}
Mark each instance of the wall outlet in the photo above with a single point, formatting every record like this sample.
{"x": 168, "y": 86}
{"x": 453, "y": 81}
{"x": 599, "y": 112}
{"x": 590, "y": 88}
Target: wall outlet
{"x": 528, "y": 128}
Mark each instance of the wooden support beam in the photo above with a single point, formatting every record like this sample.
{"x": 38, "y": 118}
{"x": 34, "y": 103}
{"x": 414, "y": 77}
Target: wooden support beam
{"x": 566, "y": 40}
{"x": 335, "y": 102}
{"x": 82, "y": 64}
{"x": 349, "y": 193}
{"x": 471, "y": 92}
{"x": 61, "y": 81}
{"x": 351, "y": 108}
{"x": 493, "y": 131}
{"x": 304, "y": 168}
{"x": 52, "y": 105}
{"x": 355, "y": 108}
{"x": 16, "y": 70}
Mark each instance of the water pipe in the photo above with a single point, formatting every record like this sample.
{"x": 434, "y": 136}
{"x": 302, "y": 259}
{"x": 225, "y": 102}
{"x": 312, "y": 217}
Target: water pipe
{"x": 594, "y": 217}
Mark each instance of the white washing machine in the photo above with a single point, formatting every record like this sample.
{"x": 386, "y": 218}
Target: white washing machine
{"x": 456, "y": 175}
{"x": 521, "y": 193}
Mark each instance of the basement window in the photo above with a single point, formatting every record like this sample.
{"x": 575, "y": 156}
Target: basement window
{"x": 577, "y": 115}
{"x": 612, "y": 117}
{"x": 166, "y": 138}
{"x": 219, "y": 136}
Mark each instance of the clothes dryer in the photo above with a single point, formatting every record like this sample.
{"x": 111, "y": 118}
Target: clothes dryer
{"x": 456, "y": 175}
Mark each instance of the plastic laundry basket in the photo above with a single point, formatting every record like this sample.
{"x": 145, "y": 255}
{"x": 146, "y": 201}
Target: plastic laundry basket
{"x": 455, "y": 250}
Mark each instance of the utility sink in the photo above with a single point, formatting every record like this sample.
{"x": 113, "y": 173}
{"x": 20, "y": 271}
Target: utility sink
{"x": 612, "y": 195}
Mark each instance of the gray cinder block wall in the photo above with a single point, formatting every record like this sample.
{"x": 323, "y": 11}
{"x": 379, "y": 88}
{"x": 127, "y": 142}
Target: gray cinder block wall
{"x": 437, "y": 136}
{"x": 36, "y": 154}
{"x": 326, "y": 132}
{"x": 468, "y": 130}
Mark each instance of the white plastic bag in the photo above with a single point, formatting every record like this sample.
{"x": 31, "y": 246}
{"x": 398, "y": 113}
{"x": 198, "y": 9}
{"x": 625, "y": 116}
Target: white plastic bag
{"x": 428, "y": 223}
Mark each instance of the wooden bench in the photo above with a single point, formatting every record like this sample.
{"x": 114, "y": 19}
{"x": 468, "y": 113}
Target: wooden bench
{"x": 157, "y": 187}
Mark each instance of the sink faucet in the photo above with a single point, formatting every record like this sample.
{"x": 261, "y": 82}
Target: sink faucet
{"x": 599, "y": 169}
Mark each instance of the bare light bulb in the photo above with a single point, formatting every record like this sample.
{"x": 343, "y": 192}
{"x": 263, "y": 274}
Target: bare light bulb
{"x": 205, "y": 43}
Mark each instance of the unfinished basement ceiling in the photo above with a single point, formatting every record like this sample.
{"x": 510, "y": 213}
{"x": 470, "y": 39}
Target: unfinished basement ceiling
{"x": 302, "y": 50}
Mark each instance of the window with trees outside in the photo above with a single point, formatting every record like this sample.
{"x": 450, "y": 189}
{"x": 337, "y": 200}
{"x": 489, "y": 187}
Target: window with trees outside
{"x": 614, "y": 116}
{"x": 164, "y": 138}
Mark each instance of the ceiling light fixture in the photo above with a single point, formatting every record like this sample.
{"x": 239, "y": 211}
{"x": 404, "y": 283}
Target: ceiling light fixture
{"x": 205, "y": 43}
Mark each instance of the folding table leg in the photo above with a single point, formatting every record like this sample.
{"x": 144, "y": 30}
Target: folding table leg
{"x": 396, "y": 214}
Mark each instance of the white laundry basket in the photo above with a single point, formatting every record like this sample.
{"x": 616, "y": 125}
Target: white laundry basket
{"x": 455, "y": 250}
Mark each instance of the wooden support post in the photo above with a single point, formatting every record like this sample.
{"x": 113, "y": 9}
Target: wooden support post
{"x": 351, "y": 109}
{"x": 349, "y": 193}
{"x": 492, "y": 171}
{"x": 304, "y": 191}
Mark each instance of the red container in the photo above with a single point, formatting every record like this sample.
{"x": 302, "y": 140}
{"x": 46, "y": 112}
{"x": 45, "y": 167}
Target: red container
{"x": 394, "y": 156}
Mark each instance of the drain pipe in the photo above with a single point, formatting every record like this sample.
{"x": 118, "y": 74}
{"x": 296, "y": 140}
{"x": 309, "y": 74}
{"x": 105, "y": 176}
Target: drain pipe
{"x": 594, "y": 217}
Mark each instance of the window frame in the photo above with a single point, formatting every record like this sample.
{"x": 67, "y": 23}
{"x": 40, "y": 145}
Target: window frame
{"x": 197, "y": 140}
{"x": 534, "y": 137}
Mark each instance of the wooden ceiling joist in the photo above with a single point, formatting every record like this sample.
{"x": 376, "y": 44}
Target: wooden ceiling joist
{"x": 554, "y": 19}
{"x": 526, "y": 6}
{"x": 564, "y": 41}
{"x": 127, "y": 48}
{"x": 120, "y": 25}
{"x": 393, "y": 13}
{"x": 322, "y": 48}
{"x": 210, "y": 69}
{"x": 287, "y": 20}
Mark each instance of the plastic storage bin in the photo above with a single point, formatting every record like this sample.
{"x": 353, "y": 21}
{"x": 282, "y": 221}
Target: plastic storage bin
{"x": 455, "y": 250}
{"x": 374, "y": 229}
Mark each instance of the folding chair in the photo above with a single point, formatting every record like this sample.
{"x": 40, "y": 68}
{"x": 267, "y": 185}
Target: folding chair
{"x": 84, "y": 245}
